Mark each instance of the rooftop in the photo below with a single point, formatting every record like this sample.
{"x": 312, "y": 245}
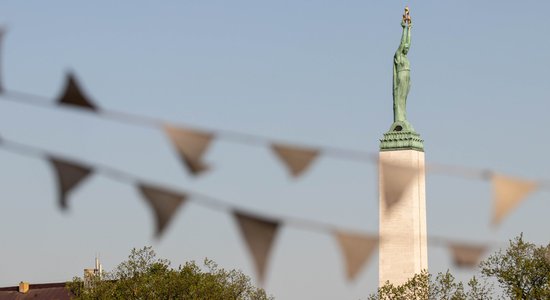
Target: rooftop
{"x": 50, "y": 291}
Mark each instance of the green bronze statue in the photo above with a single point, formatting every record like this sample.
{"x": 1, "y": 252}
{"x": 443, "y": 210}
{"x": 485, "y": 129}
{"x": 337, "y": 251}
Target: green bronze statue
{"x": 402, "y": 71}
{"x": 402, "y": 135}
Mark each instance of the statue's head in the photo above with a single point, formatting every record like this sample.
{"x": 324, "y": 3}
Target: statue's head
{"x": 406, "y": 48}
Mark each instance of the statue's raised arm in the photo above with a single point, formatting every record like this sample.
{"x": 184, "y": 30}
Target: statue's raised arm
{"x": 401, "y": 71}
{"x": 406, "y": 35}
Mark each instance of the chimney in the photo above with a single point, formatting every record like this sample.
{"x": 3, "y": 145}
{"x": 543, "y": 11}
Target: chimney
{"x": 23, "y": 287}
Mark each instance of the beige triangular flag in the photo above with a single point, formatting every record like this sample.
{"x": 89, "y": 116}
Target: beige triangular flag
{"x": 164, "y": 204}
{"x": 357, "y": 249}
{"x": 69, "y": 175}
{"x": 259, "y": 235}
{"x": 73, "y": 95}
{"x": 395, "y": 179}
{"x": 297, "y": 160}
{"x": 508, "y": 192}
{"x": 467, "y": 256}
{"x": 191, "y": 146}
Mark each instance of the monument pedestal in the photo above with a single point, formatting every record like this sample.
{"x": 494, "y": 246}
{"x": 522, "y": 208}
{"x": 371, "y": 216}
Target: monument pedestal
{"x": 402, "y": 228}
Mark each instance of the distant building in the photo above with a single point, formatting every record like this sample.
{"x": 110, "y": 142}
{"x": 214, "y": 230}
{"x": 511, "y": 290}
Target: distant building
{"x": 90, "y": 274}
{"x": 43, "y": 291}
{"x": 47, "y": 291}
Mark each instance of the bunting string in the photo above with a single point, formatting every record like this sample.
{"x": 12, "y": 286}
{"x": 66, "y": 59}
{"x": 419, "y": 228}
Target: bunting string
{"x": 191, "y": 145}
{"x": 200, "y": 198}
{"x": 128, "y": 178}
{"x": 145, "y": 121}
{"x": 245, "y": 138}
{"x": 258, "y": 229}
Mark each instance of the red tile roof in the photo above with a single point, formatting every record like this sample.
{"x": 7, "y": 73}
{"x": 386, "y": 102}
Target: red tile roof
{"x": 44, "y": 291}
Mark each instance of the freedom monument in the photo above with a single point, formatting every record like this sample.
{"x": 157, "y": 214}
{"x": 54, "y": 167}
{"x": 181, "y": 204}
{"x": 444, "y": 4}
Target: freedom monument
{"x": 402, "y": 191}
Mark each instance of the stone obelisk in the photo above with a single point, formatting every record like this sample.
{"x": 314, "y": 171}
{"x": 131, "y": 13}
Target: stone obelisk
{"x": 402, "y": 227}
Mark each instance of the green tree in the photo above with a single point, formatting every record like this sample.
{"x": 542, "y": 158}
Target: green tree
{"x": 522, "y": 271}
{"x": 144, "y": 276}
{"x": 423, "y": 287}
{"x": 415, "y": 288}
{"x": 478, "y": 290}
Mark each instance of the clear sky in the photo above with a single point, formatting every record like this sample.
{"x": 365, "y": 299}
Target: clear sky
{"x": 311, "y": 72}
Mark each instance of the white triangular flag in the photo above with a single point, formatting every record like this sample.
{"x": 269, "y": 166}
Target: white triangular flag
{"x": 259, "y": 235}
{"x": 357, "y": 249}
{"x": 69, "y": 175}
{"x": 164, "y": 204}
{"x": 191, "y": 146}
{"x": 467, "y": 256}
{"x": 508, "y": 192}
{"x": 297, "y": 160}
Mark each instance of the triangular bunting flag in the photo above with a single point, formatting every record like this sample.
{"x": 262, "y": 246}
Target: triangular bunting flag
{"x": 73, "y": 95}
{"x": 259, "y": 235}
{"x": 508, "y": 192}
{"x": 395, "y": 179}
{"x": 69, "y": 175}
{"x": 467, "y": 256}
{"x": 357, "y": 249}
{"x": 191, "y": 146}
{"x": 297, "y": 160}
{"x": 164, "y": 204}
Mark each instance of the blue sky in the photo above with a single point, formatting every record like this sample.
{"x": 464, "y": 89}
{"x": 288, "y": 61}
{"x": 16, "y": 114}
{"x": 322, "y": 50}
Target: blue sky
{"x": 310, "y": 72}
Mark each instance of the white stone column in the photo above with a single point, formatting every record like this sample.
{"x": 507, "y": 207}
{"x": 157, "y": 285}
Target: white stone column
{"x": 403, "y": 246}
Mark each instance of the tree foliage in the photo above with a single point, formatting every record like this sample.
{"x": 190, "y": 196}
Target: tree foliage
{"x": 424, "y": 287}
{"x": 522, "y": 272}
{"x": 144, "y": 276}
{"x": 415, "y": 288}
